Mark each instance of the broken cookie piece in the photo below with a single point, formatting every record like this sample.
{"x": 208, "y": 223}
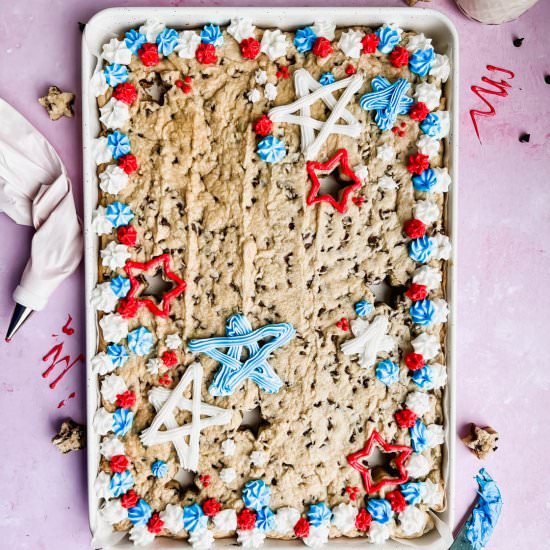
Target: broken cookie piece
{"x": 71, "y": 436}
{"x": 414, "y": 2}
{"x": 58, "y": 103}
{"x": 482, "y": 441}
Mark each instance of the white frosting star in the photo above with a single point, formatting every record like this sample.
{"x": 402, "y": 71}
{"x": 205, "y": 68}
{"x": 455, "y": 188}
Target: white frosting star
{"x": 98, "y": 84}
{"x": 225, "y": 520}
{"x": 441, "y": 68}
{"x": 113, "y": 179}
{"x": 428, "y": 146}
{"x": 441, "y": 247}
{"x": 100, "y": 223}
{"x": 285, "y": 520}
{"x": 378, "y": 533}
{"x": 417, "y": 466}
{"x": 113, "y": 512}
{"x": 435, "y": 435}
{"x": 418, "y": 402}
{"x": 350, "y": 43}
{"x": 274, "y": 44}
{"x": 114, "y": 327}
{"x": 102, "y": 486}
{"x": 439, "y": 376}
{"x": 241, "y": 28}
{"x": 188, "y": 44}
{"x": 251, "y": 538}
{"x": 258, "y": 458}
{"x": 100, "y": 150}
{"x": 428, "y": 276}
{"x": 318, "y": 536}
{"x": 431, "y": 493}
{"x": 260, "y": 77}
{"x": 385, "y": 152}
{"x": 343, "y": 517}
{"x": 151, "y": 29}
{"x": 361, "y": 171}
{"x": 443, "y": 180}
{"x": 426, "y": 211}
{"x": 114, "y": 255}
{"x": 418, "y": 42}
{"x": 103, "y": 298}
{"x": 201, "y": 539}
{"x": 228, "y": 475}
{"x": 324, "y": 29}
{"x": 430, "y": 94}
{"x": 426, "y": 345}
{"x": 412, "y": 520}
{"x": 228, "y": 447}
{"x": 114, "y": 114}
{"x": 141, "y": 536}
{"x": 254, "y": 95}
{"x": 270, "y": 91}
{"x": 441, "y": 310}
{"x": 116, "y": 51}
{"x": 111, "y": 386}
{"x": 103, "y": 421}
{"x": 173, "y": 341}
{"x": 111, "y": 446}
{"x": 172, "y": 516}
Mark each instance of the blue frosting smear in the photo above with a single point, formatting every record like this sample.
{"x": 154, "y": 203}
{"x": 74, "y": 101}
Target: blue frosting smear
{"x": 119, "y": 144}
{"x": 387, "y": 372}
{"x": 423, "y": 377}
{"x": 256, "y": 494}
{"x": 423, "y": 312}
{"x": 380, "y": 510}
{"x": 327, "y": 78}
{"x": 122, "y": 421}
{"x": 319, "y": 514}
{"x": 418, "y": 432}
{"x": 140, "y": 513}
{"x": 426, "y": 181}
{"x": 115, "y": 74}
{"x": 159, "y": 468}
{"x": 194, "y": 518}
{"x": 265, "y": 520}
{"x": 211, "y": 34}
{"x": 412, "y": 492}
{"x": 389, "y": 38}
{"x": 120, "y": 286}
{"x": 482, "y": 522}
{"x": 388, "y": 100}
{"x": 121, "y": 482}
{"x": 431, "y": 125}
{"x": 140, "y": 341}
{"x": 421, "y": 61}
{"x": 167, "y": 41}
{"x": 119, "y": 214}
{"x": 134, "y": 40}
{"x": 363, "y": 308}
{"x": 420, "y": 250}
{"x": 117, "y": 354}
{"x": 304, "y": 39}
{"x": 271, "y": 149}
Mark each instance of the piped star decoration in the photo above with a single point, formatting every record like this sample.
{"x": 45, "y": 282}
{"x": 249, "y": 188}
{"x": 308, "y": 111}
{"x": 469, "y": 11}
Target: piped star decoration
{"x": 133, "y": 269}
{"x": 403, "y": 452}
{"x": 339, "y": 159}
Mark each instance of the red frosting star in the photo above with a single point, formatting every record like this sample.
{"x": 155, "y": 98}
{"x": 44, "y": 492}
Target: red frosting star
{"x": 340, "y": 158}
{"x": 355, "y": 461}
{"x": 163, "y": 308}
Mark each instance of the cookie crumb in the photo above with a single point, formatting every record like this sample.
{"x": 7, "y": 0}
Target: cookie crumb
{"x": 71, "y": 436}
{"x": 58, "y": 103}
{"x": 482, "y": 441}
{"x": 414, "y": 2}
{"x": 518, "y": 42}
{"x": 524, "y": 138}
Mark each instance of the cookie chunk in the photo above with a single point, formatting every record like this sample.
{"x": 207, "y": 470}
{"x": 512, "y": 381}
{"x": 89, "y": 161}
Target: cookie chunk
{"x": 482, "y": 441}
{"x": 71, "y": 436}
{"x": 58, "y": 103}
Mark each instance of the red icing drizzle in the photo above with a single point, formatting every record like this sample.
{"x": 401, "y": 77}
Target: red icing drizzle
{"x": 56, "y": 352}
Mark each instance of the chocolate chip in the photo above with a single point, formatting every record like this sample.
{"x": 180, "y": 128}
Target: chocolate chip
{"x": 524, "y": 138}
{"x": 518, "y": 42}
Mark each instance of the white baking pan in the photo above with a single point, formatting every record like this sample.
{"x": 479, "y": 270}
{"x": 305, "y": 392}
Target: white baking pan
{"x": 111, "y": 22}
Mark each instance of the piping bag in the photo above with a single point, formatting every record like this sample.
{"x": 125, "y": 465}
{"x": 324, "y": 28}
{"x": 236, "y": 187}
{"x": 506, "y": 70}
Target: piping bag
{"x": 36, "y": 191}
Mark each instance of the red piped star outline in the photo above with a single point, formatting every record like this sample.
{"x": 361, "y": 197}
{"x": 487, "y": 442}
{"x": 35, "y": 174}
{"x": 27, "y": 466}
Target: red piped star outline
{"x": 403, "y": 452}
{"x": 132, "y": 267}
{"x": 340, "y": 158}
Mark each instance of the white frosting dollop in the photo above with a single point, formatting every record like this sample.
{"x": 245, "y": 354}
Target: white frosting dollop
{"x": 412, "y": 520}
{"x": 418, "y": 42}
{"x": 418, "y": 402}
{"x": 429, "y": 94}
{"x": 188, "y": 43}
{"x": 441, "y": 247}
{"x": 227, "y": 475}
{"x": 151, "y": 29}
{"x": 241, "y": 28}
{"x": 439, "y": 376}
{"x": 387, "y": 183}
{"x": 426, "y": 211}
{"x": 111, "y": 386}
{"x": 285, "y": 520}
{"x": 172, "y": 516}
{"x": 318, "y": 536}
{"x": 173, "y": 341}
{"x": 385, "y": 153}
{"x": 441, "y": 68}
{"x": 426, "y": 345}
{"x": 324, "y": 29}
{"x": 443, "y": 180}
{"x": 258, "y": 458}
{"x": 441, "y": 310}
{"x": 116, "y": 51}
{"x": 270, "y": 91}
{"x": 350, "y": 43}
{"x": 251, "y": 538}
{"x": 435, "y": 435}
{"x": 428, "y": 276}
{"x": 114, "y": 327}
{"x": 114, "y": 255}
{"x": 98, "y": 84}
{"x": 103, "y": 421}
{"x": 113, "y": 179}
{"x": 254, "y": 95}
{"x": 141, "y": 536}
{"x": 111, "y": 446}
{"x": 431, "y": 493}
{"x": 225, "y": 521}
{"x": 154, "y": 365}
{"x": 100, "y": 223}
{"x": 343, "y": 517}
{"x": 102, "y": 486}
{"x": 113, "y": 512}
{"x": 445, "y": 121}
{"x": 228, "y": 447}
{"x": 114, "y": 114}
{"x": 378, "y": 533}
{"x": 260, "y": 77}
{"x": 417, "y": 465}
{"x": 201, "y": 539}
{"x": 101, "y": 151}
{"x": 102, "y": 364}
{"x": 428, "y": 146}
{"x": 274, "y": 44}
{"x": 361, "y": 171}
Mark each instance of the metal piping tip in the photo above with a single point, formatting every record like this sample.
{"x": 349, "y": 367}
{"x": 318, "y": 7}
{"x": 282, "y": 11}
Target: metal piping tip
{"x": 20, "y": 315}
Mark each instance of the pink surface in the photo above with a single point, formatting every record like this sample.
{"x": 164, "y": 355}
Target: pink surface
{"x": 503, "y": 297}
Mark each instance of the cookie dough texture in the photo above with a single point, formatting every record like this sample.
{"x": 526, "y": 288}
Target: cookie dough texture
{"x": 240, "y": 233}
{"x": 70, "y": 437}
{"x": 58, "y": 103}
{"x": 481, "y": 441}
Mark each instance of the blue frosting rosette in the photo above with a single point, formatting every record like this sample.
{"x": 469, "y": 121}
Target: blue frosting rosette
{"x": 327, "y": 78}
{"x": 389, "y": 38}
{"x": 426, "y": 181}
{"x": 119, "y": 214}
{"x": 387, "y": 372}
{"x": 121, "y": 482}
{"x": 115, "y": 74}
{"x": 431, "y": 125}
{"x": 211, "y": 34}
{"x": 194, "y": 518}
{"x": 420, "y": 250}
{"x": 423, "y": 377}
{"x": 363, "y": 308}
{"x": 134, "y": 40}
{"x": 380, "y": 510}
{"x": 265, "y": 520}
{"x": 412, "y": 492}
{"x": 304, "y": 39}
{"x": 421, "y": 61}
{"x": 271, "y": 149}
{"x": 119, "y": 144}
{"x": 418, "y": 433}
{"x": 120, "y": 286}
{"x": 159, "y": 468}
{"x": 319, "y": 514}
{"x": 167, "y": 41}
{"x": 140, "y": 513}
{"x": 140, "y": 341}
{"x": 256, "y": 494}
{"x": 117, "y": 354}
{"x": 423, "y": 312}
{"x": 122, "y": 421}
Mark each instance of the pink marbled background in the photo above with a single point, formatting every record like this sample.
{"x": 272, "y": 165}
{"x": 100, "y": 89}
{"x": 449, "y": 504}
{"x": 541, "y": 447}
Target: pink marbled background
{"x": 503, "y": 298}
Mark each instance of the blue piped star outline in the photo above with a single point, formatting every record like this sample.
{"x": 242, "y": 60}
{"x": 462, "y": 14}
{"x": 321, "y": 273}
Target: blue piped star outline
{"x": 388, "y": 100}
{"x": 234, "y": 372}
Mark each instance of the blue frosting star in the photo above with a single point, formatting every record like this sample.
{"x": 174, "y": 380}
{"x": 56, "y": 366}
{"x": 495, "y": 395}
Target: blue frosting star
{"x": 271, "y": 149}
{"x": 423, "y": 312}
{"x": 426, "y": 181}
{"x": 122, "y": 421}
{"x": 265, "y": 520}
{"x": 319, "y": 514}
{"x": 418, "y": 433}
{"x": 121, "y": 482}
{"x": 167, "y": 41}
{"x": 431, "y": 125}
{"x": 389, "y": 38}
{"x": 120, "y": 286}
{"x": 363, "y": 308}
{"x": 388, "y": 100}
{"x": 140, "y": 341}
{"x": 421, "y": 61}
{"x": 327, "y": 78}
{"x": 159, "y": 468}
{"x": 117, "y": 354}
{"x": 119, "y": 214}
{"x": 256, "y": 494}
{"x": 380, "y": 510}
{"x": 134, "y": 40}
{"x": 119, "y": 144}
{"x": 304, "y": 40}
{"x": 211, "y": 34}
{"x": 115, "y": 74}
{"x": 140, "y": 513}
{"x": 420, "y": 250}
{"x": 423, "y": 377}
{"x": 194, "y": 518}
{"x": 387, "y": 372}
{"x": 234, "y": 372}
{"x": 412, "y": 492}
